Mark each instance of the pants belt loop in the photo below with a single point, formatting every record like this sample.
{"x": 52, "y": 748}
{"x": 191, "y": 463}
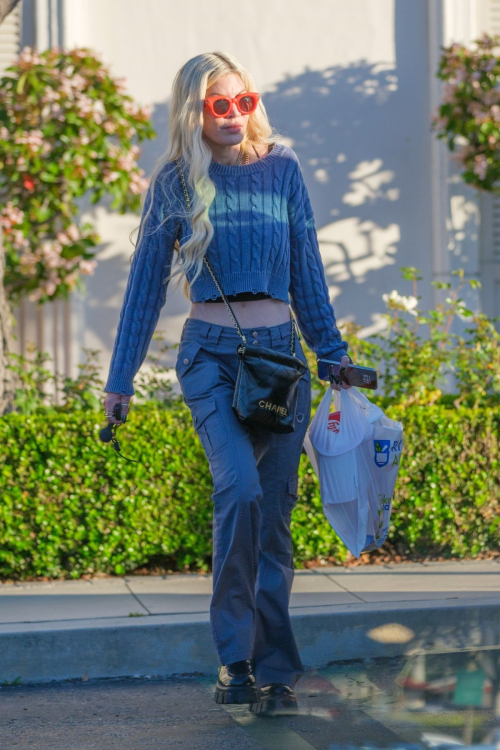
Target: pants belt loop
{"x": 213, "y": 334}
{"x": 275, "y": 336}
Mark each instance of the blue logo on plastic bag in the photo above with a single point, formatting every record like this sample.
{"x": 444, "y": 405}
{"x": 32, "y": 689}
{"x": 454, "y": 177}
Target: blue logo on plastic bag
{"x": 381, "y": 457}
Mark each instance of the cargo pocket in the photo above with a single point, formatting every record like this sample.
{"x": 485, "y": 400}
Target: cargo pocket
{"x": 208, "y": 424}
{"x": 303, "y": 410}
{"x": 291, "y": 495}
{"x": 196, "y": 374}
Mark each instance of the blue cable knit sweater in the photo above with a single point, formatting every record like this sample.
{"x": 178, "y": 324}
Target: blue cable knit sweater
{"x": 264, "y": 240}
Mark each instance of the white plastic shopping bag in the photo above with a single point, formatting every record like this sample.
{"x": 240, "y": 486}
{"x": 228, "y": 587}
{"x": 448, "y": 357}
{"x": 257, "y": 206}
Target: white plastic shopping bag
{"x": 355, "y": 451}
{"x": 346, "y": 421}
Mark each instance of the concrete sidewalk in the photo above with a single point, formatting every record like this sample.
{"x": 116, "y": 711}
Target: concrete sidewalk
{"x": 159, "y": 625}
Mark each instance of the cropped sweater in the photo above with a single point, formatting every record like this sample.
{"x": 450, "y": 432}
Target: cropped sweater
{"x": 264, "y": 241}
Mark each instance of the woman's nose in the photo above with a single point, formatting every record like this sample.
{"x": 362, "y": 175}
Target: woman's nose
{"x": 233, "y": 110}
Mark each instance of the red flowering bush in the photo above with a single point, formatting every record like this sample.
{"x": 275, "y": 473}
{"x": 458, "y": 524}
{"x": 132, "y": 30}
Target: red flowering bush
{"x": 66, "y": 130}
{"x": 469, "y": 116}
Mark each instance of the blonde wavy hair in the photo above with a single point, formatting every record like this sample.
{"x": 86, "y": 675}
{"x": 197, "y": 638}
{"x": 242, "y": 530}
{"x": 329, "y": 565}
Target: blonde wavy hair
{"x": 186, "y": 142}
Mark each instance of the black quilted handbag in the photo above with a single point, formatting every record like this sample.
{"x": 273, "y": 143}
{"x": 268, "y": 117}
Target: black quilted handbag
{"x": 266, "y": 389}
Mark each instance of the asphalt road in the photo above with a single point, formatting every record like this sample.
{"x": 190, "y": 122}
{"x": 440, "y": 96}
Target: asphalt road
{"x": 351, "y": 705}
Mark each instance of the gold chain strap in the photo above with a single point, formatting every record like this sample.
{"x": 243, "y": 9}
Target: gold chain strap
{"x": 226, "y": 301}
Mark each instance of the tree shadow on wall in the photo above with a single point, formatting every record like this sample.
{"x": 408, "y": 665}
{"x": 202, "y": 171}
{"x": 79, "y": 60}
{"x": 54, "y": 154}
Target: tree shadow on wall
{"x": 338, "y": 121}
{"x": 362, "y": 135}
{"x": 368, "y": 208}
{"x": 363, "y": 152}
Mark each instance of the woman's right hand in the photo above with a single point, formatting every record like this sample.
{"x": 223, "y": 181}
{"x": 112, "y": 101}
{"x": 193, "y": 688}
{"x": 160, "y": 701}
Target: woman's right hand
{"x": 110, "y": 400}
{"x": 344, "y": 362}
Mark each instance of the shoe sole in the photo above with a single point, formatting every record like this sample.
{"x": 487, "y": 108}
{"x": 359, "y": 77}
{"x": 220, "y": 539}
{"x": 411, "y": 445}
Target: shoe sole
{"x": 275, "y": 707}
{"x": 241, "y": 694}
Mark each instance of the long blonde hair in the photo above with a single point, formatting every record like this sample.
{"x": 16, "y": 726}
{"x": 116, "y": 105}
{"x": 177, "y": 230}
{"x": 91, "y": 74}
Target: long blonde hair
{"x": 186, "y": 142}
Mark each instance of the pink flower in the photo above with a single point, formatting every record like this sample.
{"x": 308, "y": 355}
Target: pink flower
{"x": 495, "y": 112}
{"x": 113, "y": 150}
{"x": 461, "y": 154}
{"x": 138, "y": 183}
{"x": 73, "y": 232}
{"x": 28, "y": 58}
{"x": 121, "y": 85}
{"x": 125, "y": 162}
{"x": 440, "y": 122}
{"x": 31, "y": 138}
{"x": 130, "y": 108}
{"x": 11, "y": 215}
{"x": 480, "y": 166}
{"x": 78, "y": 82}
{"x": 448, "y": 93}
{"x": 50, "y": 95}
{"x": 63, "y": 238}
{"x": 50, "y": 287}
{"x": 110, "y": 176}
{"x": 19, "y": 240}
{"x": 36, "y": 294}
{"x": 87, "y": 267}
{"x": 28, "y": 263}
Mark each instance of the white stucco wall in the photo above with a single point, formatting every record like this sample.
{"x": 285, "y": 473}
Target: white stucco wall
{"x": 347, "y": 84}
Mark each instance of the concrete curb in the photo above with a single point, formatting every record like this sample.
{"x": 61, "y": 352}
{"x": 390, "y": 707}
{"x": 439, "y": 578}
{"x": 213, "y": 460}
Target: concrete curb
{"x": 180, "y": 644}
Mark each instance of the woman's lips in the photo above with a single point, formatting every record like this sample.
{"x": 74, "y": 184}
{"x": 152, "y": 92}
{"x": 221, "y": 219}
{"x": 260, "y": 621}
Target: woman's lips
{"x": 232, "y": 127}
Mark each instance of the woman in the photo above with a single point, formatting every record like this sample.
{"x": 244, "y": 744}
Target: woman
{"x": 250, "y": 212}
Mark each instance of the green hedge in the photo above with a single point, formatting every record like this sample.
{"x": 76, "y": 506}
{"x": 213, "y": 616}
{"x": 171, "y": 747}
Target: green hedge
{"x": 71, "y": 506}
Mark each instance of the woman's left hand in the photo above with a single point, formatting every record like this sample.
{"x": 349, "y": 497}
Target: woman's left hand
{"x": 344, "y": 363}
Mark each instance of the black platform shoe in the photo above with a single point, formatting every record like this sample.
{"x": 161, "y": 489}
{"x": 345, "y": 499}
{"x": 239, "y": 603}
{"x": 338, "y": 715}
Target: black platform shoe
{"x": 236, "y": 684}
{"x": 276, "y": 699}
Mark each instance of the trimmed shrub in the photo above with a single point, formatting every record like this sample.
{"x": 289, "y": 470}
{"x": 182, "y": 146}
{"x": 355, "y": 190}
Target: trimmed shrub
{"x": 71, "y": 506}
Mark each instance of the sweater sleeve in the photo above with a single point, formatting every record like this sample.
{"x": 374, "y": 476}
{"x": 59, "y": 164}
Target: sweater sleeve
{"x": 145, "y": 293}
{"x": 308, "y": 290}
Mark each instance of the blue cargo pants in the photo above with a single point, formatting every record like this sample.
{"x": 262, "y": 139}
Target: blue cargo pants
{"x": 254, "y": 474}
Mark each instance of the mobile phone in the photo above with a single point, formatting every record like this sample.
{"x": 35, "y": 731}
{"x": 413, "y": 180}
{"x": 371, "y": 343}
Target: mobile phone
{"x": 360, "y": 377}
{"x": 117, "y": 412}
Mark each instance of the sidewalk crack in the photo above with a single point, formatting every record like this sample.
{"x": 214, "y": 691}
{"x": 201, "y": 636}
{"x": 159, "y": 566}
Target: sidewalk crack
{"x": 137, "y": 598}
{"x": 347, "y": 590}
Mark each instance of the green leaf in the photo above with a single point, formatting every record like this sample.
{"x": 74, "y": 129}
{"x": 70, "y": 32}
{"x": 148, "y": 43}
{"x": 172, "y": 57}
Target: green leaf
{"x": 441, "y": 284}
{"x": 47, "y": 177}
{"x": 21, "y": 82}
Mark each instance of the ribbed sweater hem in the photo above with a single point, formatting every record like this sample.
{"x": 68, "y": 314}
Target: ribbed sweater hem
{"x": 242, "y": 281}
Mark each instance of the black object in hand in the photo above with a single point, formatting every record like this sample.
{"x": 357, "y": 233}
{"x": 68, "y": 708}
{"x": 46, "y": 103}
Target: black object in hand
{"x": 361, "y": 377}
{"x": 108, "y": 433}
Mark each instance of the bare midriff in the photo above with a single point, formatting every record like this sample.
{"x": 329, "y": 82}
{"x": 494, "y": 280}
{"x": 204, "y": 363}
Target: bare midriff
{"x": 265, "y": 312}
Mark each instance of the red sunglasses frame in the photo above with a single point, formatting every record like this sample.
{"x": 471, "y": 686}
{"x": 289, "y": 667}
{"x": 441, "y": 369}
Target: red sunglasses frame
{"x": 210, "y": 101}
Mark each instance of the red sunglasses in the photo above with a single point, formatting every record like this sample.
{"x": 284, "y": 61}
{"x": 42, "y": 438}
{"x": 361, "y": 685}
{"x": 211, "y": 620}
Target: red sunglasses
{"x": 220, "y": 105}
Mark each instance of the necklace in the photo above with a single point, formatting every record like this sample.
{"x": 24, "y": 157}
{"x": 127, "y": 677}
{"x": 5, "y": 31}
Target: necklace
{"x": 241, "y": 155}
